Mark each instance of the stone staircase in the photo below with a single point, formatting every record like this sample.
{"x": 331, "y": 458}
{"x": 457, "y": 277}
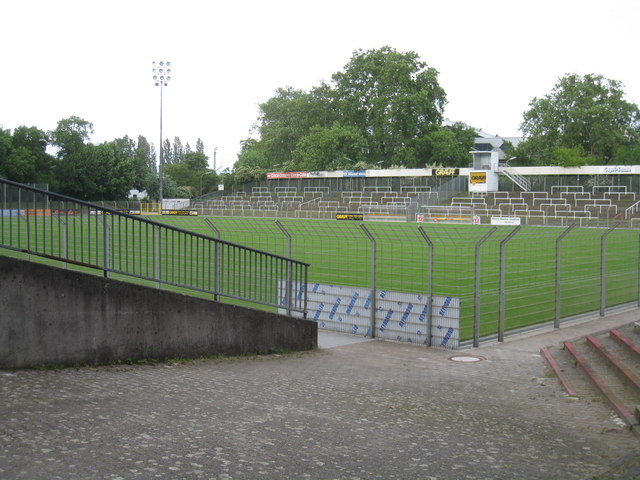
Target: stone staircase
{"x": 603, "y": 367}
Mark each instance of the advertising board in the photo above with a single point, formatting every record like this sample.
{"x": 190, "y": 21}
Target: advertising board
{"x": 505, "y": 221}
{"x": 399, "y": 316}
{"x": 180, "y": 212}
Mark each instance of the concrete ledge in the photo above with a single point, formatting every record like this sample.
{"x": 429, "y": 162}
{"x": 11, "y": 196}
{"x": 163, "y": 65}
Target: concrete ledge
{"x": 52, "y": 316}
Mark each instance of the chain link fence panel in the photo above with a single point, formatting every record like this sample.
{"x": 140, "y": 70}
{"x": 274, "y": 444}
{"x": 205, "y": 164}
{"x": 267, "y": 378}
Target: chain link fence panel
{"x": 500, "y": 279}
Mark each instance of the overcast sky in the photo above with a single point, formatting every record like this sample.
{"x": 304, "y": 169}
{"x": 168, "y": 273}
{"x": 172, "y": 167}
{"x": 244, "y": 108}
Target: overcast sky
{"x": 93, "y": 59}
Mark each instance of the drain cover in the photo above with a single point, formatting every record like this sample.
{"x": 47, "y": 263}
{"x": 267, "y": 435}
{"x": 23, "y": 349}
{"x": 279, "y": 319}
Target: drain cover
{"x": 465, "y": 358}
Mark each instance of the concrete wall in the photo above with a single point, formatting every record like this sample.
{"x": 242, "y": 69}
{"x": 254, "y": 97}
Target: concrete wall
{"x": 52, "y": 316}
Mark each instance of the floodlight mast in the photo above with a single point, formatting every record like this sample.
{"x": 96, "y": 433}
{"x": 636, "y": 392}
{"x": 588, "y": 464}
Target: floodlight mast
{"x": 161, "y": 77}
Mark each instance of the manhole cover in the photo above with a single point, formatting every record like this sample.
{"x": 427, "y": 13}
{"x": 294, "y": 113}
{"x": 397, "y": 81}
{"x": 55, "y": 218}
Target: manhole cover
{"x": 465, "y": 358}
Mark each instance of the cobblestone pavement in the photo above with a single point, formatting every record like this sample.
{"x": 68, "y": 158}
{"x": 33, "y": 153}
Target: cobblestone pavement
{"x": 363, "y": 410}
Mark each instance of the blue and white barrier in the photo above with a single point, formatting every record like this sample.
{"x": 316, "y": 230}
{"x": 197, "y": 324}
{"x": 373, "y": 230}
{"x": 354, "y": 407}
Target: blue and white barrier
{"x": 399, "y": 316}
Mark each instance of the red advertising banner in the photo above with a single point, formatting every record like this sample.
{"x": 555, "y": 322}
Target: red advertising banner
{"x": 276, "y": 175}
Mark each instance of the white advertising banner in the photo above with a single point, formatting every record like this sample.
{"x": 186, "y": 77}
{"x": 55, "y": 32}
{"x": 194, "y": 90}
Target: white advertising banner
{"x": 399, "y": 316}
{"x": 505, "y": 220}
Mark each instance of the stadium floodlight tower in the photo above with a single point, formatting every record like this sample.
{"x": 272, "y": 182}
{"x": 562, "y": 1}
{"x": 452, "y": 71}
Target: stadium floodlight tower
{"x": 161, "y": 77}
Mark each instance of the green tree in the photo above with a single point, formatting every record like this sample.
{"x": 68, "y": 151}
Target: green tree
{"x": 143, "y": 161}
{"x": 178, "y": 151}
{"x": 71, "y": 135}
{"x": 190, "y": 173}
{"x": 76, "y": 169}
{"x": 329, "y": 148}
{"x": 580, "y": 111}
{"x": 169, "y": 187}
{"x": 447, "y": 146}
{"x": 287, "y": 117}
{"x": 253, "y": 163}
{"x": 167, "y": 152}
{"x": 23, "y": 156}
{"x": 5, "y": 149}
{"x": 182, "y": 175}
{"x": 377, "y": 112}
{"x": 570, "y": 157}
{"x": 20, "y": 165}
{"x": 116, "y": 174}
{"x": 196, "y": 161}
{"x": 627, "y": 155}
{"x": 200, "y": 146}
{"x": 93, "y": 172}
{"x": 197, "y": 182}
{"x": 393, "y": 98}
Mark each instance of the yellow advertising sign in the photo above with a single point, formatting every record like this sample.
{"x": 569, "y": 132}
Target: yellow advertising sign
{"x": 445, "y": 172}
{"x": 349, "y": 216}
{"x": 478, "y": 177}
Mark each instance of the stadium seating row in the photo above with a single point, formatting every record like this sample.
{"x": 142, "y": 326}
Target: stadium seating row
{"x": 561, "y": 201}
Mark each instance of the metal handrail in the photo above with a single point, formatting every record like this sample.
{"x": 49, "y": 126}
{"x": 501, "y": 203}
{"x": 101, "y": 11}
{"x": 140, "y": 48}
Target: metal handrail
{"x": 50, "y": 225}
{"x": 516, "y": 178}
{"x": 632, "y": 209}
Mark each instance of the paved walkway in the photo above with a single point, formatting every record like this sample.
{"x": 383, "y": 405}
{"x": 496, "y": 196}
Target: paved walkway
{"x": 353, "y": 409}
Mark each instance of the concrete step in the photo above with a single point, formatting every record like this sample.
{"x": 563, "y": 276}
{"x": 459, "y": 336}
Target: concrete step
{"x": 604, "y": 366}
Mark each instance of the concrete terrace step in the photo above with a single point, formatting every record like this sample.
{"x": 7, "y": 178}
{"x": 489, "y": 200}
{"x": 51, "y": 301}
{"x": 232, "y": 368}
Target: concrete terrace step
{"x": 604, "y": 366}
{"x": 602, "y": 383}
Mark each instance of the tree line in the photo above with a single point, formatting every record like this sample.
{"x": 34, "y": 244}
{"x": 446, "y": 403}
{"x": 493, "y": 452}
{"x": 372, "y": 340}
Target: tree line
{"x": 384, "y": 109}
{"x": 66, "y": 161}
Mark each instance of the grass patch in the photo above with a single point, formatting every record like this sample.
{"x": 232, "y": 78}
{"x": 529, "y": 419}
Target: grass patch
{"x": 341, "y": 253}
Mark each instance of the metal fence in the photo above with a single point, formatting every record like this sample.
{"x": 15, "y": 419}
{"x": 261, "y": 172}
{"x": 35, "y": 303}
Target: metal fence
{"x": 492, "y": 280}
{"x": 424, "y": 206}
{"x": 45, "y": 225}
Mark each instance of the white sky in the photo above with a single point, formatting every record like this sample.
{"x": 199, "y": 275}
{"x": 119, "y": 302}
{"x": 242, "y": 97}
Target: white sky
{"x": 93, "y": 58}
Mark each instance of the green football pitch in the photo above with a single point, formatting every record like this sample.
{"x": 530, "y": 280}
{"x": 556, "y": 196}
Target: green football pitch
{"x": 524, "y": 276}
{"x": 543, "y": 268}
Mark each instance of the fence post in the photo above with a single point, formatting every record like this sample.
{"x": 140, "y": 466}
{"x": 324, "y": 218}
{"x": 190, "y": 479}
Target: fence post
{"x": 65, "y": 244}
{"x": 503, "y": 260}
{"x": 156, "y": 254}
{"x": 373, "y": 279}
{"x": 27, "y": 221}
{"x": 558, "y": 299}
{"x": 289, "y": 279}
{"x": 306, "y": 291}
{"x": 476, "y": 288}
{"x": 639, "y": 270}
{"x": 603, "y": 269}
{"x": 105, "y": 245}
{"x": 430, "y": 287}
{"x": 216, "y": 261}
{"x": 216, "y": 273}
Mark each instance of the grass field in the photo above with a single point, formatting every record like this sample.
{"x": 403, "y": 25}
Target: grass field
{"x": 466, "y": 260}
{"x": 341, "y": 253}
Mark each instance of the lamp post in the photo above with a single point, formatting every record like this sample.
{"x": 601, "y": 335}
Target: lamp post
{"x": 161, "y": 77}
{"x": 205, "y": 173}
{"x": 215, "y": 170}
